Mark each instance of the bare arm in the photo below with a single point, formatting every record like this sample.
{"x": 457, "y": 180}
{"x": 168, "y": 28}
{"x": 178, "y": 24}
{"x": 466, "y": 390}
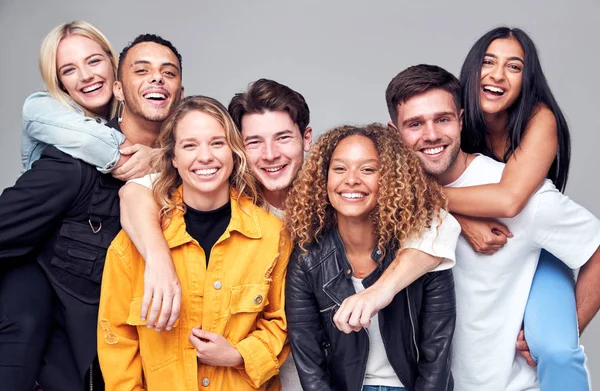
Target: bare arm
{"x": 524, "y": 172}
{"x": 357, "y": 310}
{"x": 139, "y": 218}
{"x": 587, "y": 293}
{"x": 419, "y": 256}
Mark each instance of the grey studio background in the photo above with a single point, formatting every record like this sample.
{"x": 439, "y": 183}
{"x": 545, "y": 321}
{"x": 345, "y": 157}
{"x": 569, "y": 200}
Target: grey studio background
{"x": 339, "y": 54}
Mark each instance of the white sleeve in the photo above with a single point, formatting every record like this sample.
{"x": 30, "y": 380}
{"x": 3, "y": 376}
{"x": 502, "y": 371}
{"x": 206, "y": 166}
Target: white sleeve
{"x": 563, "y": 227}
{"x": 438, "y": 241}
{"x": 146, "y": 180}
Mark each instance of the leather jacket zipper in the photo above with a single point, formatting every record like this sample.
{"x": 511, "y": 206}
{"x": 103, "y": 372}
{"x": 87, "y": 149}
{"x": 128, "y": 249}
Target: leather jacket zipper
{"x": 362, "y": 375}
{"x": 412, "y": 324}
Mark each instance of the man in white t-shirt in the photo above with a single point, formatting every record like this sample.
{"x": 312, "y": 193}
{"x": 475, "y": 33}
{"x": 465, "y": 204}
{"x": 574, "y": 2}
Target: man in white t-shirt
{"x": 492, "y": 291}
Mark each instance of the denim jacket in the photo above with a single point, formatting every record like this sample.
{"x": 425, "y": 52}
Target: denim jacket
{"x": 48, "y": 122}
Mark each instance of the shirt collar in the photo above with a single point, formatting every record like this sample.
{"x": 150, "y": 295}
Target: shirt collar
{"x": 244, "y": 219}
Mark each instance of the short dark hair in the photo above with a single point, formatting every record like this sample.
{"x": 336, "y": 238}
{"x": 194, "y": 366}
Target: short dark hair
{"x": 535, "y": 92}
{"x": 268, "y": 95}
{"x": 146, "y": 38}
{"x": 416, "y": 80}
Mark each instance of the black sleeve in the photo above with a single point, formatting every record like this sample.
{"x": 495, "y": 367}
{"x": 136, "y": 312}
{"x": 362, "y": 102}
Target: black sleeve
{"x": 304, "y": 328}
{"x": 37, "y": 202}
{"x": 436, "y": 322}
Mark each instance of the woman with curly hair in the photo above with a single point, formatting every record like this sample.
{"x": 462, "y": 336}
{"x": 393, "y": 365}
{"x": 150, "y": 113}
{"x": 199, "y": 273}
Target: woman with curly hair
{"x": 360, "y": 198}
{"x": 229, "y": 258}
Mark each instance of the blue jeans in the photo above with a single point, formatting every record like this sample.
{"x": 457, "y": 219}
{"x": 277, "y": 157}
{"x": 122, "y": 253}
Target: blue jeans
{"x": 551, "y": 328}
{"x": 382, "y": 388}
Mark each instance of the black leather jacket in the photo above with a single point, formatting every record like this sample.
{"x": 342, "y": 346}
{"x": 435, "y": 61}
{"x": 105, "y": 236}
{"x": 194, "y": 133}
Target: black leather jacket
{"x": 416, "y": 328}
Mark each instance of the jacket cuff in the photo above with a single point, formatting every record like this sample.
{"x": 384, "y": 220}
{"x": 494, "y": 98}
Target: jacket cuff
{"x": 260, "y": 364}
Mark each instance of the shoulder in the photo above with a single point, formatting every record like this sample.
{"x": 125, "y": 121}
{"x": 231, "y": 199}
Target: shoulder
{"x": 316, "y": 252}
{"x": 542, "y": 120}
{"x": 42, "y": 103}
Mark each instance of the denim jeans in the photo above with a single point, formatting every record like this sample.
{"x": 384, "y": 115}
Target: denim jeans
{"x": 382, "y": 388}
{"x": 551, "y": 329}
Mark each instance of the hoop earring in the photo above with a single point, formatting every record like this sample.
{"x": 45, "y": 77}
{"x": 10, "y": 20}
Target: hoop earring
{"x": 120, "y": 111}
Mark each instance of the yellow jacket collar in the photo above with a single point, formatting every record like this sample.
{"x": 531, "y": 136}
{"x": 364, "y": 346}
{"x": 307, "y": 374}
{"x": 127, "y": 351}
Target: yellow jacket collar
{"x": 244, "y": 219}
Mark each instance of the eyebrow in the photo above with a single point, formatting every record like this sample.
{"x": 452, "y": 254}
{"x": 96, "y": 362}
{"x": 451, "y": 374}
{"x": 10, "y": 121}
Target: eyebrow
{"x": 146, "y": 62}
{"x": 258, "y": 137}
{"x": 341, "y": 160}
{"x": 85, "y": 59}
{"x": 195, "y": 139}
{"x": 435, "y": 115}
{"x": 510, "y": 58}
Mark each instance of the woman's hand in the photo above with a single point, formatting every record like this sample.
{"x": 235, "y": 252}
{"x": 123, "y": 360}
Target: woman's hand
{"x": 139, "y": 158}
{"x": 214, "y": 349}
{"x": 485, "y": 235}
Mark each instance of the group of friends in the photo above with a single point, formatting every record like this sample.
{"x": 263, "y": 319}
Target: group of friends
{"x": 243, "y": 265}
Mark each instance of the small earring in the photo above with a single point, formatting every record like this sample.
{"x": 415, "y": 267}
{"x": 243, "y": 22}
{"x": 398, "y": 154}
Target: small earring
{"x": 120, "y": 111}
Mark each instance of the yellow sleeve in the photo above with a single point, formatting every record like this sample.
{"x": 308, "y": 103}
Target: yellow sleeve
{"x": 263, "y": 349}
{"x": 118, "y": 344}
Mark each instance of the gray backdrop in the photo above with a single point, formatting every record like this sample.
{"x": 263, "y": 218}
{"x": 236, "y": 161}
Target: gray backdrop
{"x": 339, "y": 54}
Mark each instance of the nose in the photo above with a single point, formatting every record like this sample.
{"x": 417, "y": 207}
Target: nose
{"x": 431, "y": 133}
{"x": 85, "y": 74}
{"x": 157, "y": 77}
{"x": 497, "y": 73}
{"x": 352, "y": 177}
{"x": 204, "y": 154}
{"x": 270, "y": 152}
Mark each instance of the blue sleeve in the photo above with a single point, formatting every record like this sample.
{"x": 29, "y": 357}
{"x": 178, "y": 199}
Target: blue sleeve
{"x": 47, "y": 121}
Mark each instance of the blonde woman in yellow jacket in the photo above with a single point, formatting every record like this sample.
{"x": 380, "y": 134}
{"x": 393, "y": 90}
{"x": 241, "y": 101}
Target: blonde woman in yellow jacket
{"x": 230, "y": 257}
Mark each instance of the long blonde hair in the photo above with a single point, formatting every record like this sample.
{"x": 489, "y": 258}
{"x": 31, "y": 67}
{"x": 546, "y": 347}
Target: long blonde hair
{"x": 48, "y": 58}
{"x": 168, "y": 180}
{"x": 408, "y": 198}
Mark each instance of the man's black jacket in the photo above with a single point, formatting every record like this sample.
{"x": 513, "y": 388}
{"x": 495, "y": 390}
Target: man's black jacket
{"x": 416, "y": 328}
{"x": 67, "y": 212}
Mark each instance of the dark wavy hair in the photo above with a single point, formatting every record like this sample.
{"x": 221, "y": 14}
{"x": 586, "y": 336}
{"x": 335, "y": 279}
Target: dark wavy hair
{"x": 147, "y": 38}
{"x": 534, "y": 91}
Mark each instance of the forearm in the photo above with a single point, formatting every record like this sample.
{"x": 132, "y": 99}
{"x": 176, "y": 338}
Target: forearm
{"x": 587, "y": 293}
{"x": 491, "y": 200}
{"x": 139, "y": 218}
{"x": 409, "y": 265}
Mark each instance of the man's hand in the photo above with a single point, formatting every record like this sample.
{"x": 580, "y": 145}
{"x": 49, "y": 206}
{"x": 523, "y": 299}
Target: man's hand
{"x": 357, "y": 310}
{"x": 162, "y": 289}
{"x": 137, "y": 165}
{"x": 523, "y": 348}
{"x": 485, "y": 235}
{"x": 214, "y": 349}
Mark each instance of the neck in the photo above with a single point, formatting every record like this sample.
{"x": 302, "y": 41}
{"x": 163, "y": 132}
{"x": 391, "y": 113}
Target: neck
{"x": 138, "y": 130}
{"x": 457, "y": 168}
{"x": 205, "y": 202}
{"x": 358, "y": 235}
{"x": 276, "y": 198}
{"x": 496, "y": 123}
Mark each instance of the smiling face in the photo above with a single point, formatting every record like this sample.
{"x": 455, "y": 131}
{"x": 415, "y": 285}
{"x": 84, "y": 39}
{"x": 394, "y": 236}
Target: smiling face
{"x": 353, "y": 178}
{"x": 151, "y": 81}
{"x": 501, "y": 75}
{"x": 275, "y": 148}
{"x": 85, "y": 72}
{"x": 430, "y": 125}
{"x": 203, "y": 159}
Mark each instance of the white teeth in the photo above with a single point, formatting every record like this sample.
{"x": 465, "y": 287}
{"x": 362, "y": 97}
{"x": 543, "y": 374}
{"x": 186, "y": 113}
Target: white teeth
{"x": 206, "y": 171}
{"x": 353, "y": 195}
{"x": 273, "y": 169}
{"x": 433, "y": 151}
{"x": 155, "y": 95}
{"x": 91, "y": 88}
{"x": 494, "y": 89}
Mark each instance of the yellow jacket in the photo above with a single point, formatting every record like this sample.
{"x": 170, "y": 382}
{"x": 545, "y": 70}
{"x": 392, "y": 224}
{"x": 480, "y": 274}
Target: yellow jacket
{"x": 240, "y": 296}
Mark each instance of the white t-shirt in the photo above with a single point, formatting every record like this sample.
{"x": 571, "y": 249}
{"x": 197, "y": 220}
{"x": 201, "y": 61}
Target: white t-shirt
{"x": 379, "y": 371}
{"x": 492, "y": 290}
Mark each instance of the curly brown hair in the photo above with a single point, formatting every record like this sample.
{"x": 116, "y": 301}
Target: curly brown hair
{"x": 407, "y": 203}
{"x": 168, "y": 180}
